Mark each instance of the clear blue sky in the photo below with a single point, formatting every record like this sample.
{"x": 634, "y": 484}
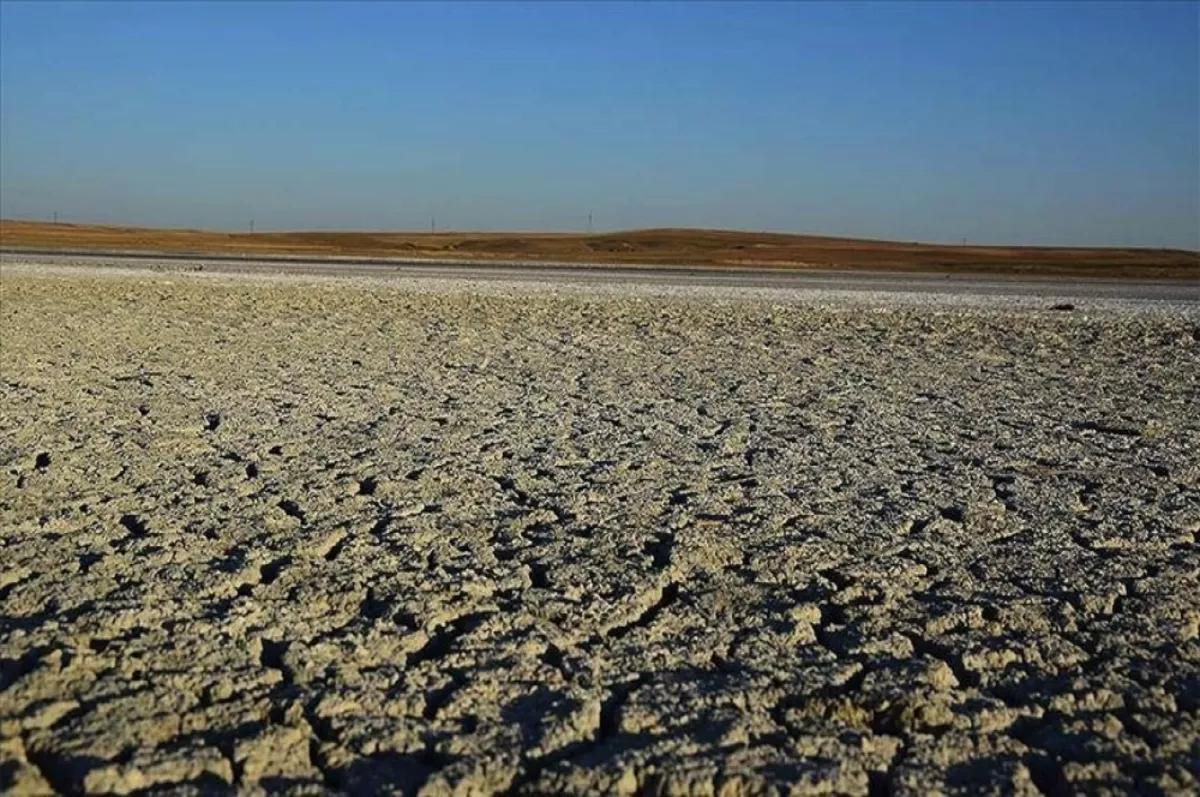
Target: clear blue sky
{"x": 1072, "y": 123}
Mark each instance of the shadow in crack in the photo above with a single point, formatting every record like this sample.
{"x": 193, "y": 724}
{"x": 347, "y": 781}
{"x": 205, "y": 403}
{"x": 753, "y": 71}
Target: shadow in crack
{"x": 387, "y": 773}
{"x": 534, "y": 712}
{"x": 65, "y": 773}
{"x": 994, "y": 773}
{"x": 608, "y": 742}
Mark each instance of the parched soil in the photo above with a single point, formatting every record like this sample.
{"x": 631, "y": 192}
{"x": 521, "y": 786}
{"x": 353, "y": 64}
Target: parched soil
{"x": 300, "y": 536}
{"x": 724, "y": 248}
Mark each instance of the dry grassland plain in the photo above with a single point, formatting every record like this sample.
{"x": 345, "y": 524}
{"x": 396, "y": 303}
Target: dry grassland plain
{"x": 300, "y": 535}
{"x": 662, "y": 247}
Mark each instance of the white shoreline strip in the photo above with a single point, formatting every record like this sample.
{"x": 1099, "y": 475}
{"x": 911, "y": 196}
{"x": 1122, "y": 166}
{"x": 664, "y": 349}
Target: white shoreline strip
{"x": 500, "y": 286}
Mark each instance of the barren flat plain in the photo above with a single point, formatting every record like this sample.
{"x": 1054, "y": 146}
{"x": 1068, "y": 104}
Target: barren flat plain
{"x": 308, "y": 534}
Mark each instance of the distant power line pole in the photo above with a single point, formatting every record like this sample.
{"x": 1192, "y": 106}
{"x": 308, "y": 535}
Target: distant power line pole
{"x": 252, "y": 226}
{"x": 589, "y": 223}
{"x": 433, "y": 224}
{"x": 56, "y": 217}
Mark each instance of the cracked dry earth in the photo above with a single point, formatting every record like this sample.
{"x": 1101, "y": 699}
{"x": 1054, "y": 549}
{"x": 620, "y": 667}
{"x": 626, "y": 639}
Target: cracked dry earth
{"x": 307, "y": 536}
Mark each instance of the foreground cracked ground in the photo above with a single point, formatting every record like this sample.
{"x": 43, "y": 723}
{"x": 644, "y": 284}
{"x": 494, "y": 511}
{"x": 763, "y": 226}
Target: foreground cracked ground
{"x": 308, "y": 537}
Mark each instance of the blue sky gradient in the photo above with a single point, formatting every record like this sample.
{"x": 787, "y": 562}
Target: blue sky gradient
{"x": 1072, "y": 123}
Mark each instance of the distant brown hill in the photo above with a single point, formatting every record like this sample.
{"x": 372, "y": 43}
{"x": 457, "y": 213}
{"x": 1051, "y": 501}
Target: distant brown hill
{"x": 727, "y": 248}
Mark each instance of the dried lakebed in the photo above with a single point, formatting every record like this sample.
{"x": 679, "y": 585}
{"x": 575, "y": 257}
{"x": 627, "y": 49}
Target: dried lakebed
{"x": 301, "y": 536}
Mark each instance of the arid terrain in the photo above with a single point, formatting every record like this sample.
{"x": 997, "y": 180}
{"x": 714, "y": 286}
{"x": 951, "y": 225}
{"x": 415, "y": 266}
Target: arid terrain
{"x": 647, "y": 247}
{"x": 298, "y": 534}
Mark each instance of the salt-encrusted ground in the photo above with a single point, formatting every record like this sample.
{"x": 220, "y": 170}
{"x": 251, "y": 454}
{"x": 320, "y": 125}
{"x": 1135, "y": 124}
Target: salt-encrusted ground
{"x": 301, "y": 534}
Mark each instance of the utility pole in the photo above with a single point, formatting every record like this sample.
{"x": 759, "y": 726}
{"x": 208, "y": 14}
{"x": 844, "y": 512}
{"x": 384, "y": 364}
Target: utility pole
{"x": 56, "y": 217}
{"x": 252, "y": 226}
{"x": 589, "y": 222}
{"x": 433, "y": 224}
